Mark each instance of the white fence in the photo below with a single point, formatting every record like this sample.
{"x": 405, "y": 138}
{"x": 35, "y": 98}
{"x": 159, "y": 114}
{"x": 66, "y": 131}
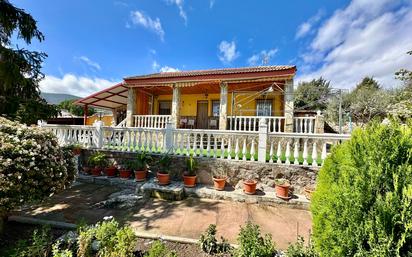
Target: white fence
{"x": 251, "y": 123}
{"x": 304, "y": 124}
{"x": 151, "y": 121}
{"x": 262, "y": 146}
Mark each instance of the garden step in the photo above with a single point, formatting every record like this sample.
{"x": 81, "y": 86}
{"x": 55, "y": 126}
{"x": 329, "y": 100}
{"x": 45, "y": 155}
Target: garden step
{"x": 174, "y": 191}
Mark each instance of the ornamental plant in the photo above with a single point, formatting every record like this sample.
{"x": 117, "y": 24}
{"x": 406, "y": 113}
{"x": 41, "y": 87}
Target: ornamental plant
{"x": 253, "y": 244}
{"x": 98, "y": 160}
{"x": 142, "y": 160}
{"x": 363, "y": 199}
{"x": 164, "y": 163}
{"x": 32, "y": 165}
{"x": 191, "y": 166}
{"x": 210, "y": 245}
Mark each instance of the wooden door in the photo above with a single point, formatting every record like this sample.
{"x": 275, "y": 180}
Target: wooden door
{"x": 202, "y": 114}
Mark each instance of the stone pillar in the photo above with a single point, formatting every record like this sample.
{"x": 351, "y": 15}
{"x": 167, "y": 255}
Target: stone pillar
{"x": 176, "y": 106}
{"x": 131, "y": 107}
{"x": 223, "y": 106}
{"x": 168, "y": 141}
{"x": 288, "y": 105}
{"x": 319, "y": 123}
{"x": 263, "y": 138}
{"x": 98, "y": 134}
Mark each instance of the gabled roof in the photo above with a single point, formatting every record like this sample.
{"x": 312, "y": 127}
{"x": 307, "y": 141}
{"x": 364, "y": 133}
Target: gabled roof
{"x": 223, "y": 71}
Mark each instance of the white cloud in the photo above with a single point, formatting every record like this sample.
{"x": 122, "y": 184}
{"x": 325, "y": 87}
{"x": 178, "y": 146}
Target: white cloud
{"x": 179, "y": 4}
{"x": 168, "y": 69}
{"x": 89, "y": 62}
{"x": 227, "y": 51}
{"x": 262, "y": 58}
{"x": 141, "y": 19}
{"x": 211, "y": 3}
{"x": 72, "y": 84}
{"x": 306, "y": 27}
{"x": 367, "y": 38}
{"x": 155, "y": 66}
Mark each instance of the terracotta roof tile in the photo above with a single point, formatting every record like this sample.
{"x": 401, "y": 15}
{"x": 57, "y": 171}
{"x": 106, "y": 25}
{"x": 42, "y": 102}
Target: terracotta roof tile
{"x": 213, "y": 72}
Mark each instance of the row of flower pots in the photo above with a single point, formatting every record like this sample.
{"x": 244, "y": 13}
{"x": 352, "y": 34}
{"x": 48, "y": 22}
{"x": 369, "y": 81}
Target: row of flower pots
{"x": 98, "y": 165}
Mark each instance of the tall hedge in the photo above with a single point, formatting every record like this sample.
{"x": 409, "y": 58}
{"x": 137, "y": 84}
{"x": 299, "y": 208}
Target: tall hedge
{"x": 363, "y": 202}
{"x": 32, "y": 165}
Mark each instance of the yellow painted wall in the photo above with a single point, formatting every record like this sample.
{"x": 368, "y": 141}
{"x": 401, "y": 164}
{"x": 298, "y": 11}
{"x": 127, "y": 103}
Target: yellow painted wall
{"x": 189, "y": 104}
{"x": 107, "y": 120}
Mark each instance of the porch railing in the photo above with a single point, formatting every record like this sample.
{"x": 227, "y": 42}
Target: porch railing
{"x": 151, "y": 121}
{"x": 251, "y": 123}
{"x": 304, "y": 124}
{"x": 306, "y": 149}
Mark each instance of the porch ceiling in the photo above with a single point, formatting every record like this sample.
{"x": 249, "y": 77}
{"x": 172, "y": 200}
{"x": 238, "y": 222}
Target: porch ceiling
{"x": 112, "y": 97}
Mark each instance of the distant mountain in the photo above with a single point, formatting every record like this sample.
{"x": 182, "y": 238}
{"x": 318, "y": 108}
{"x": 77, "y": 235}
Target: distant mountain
{"x": 55, "y": 98}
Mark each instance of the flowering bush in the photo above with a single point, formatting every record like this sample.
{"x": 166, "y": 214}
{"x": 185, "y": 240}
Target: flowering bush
{"x": 32, "y": 165}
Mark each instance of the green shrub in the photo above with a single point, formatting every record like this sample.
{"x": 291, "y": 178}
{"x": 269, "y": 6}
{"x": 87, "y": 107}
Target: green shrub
{"x": 113, "y": 240}
{"x": 299, "y": 249}
{"x": 159, "y": 249}
{"x": 209, "y": 244}
{"x": 32, "y": 165}
{"x": 363, "y": 200}
{"x": 60, "y": 253}
{"x": 39, "y": 246}
{"x": 253, "y": 244}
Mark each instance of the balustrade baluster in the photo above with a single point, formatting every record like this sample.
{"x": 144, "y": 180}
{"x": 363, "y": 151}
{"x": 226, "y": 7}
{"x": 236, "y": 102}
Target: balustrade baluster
{"x": 252, "y": 151}
{"x": 208, "y": 146}
{"x": 222, "y": 148}
{"x": 229, "y": 148}
{"x": 201, "y": 145}
{"x": 279, "y": 153}
{"x": 237, "y": 149}
{"x": 287, "y": 154}
{"x": 324, "y": 153}
{"x": 314, "y": 155}
{"x": 129, "y": 139}
{"x": 310, "y": 126}
{"x": 188, "y": 145}
{"x": 194, "y": 144}
{"x": 305, "y": 153}
{"x": 271, "y": 152}
{"x": 296, "y": 153}
{"x": 215, "y": 147}
{"x": 244, "y": 150}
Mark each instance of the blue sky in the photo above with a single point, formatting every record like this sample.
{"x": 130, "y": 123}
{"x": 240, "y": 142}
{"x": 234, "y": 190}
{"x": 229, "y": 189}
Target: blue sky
{"x": 93, "y": 44}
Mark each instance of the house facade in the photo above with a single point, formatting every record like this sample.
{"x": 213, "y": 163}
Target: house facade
{"x": 224, "y": 99}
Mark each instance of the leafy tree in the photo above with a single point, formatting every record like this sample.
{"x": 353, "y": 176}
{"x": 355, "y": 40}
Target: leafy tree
{"x": 363, "y": 200}
{"x": 20, "y": 68}
{"x": 313, "y": 95}
{"x": 73, "y": 108}
{"x": 404, "y": 74}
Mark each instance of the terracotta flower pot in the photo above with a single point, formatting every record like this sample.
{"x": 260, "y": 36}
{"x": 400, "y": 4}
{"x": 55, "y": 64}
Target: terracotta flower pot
{"x": 125, "y": 174}
{"x": 163, "y": 179}
{"x": 77, "y": 151}
{"x": 140, "y": 175}
{"x": 189, "y": 181}
{"x": 219, "y": 183}
{"x": 110, "y": 171}
{"x": 249, "y": 187}
{"x": 282, "y": 191}
{"x": 96, "y": 171}
{"x": 87, "y": 170}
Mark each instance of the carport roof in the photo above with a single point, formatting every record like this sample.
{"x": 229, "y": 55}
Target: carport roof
{"x": 109, "y": 98}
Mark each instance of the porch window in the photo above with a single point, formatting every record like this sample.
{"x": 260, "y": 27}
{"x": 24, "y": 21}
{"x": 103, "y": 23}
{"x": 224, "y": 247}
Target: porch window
{"x": 264, "y": 107}
{"x": 165, "y": 107}
{"x": 215, "y": 108}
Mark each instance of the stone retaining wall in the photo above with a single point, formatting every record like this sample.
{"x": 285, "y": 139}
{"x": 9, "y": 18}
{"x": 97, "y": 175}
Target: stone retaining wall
{"x": 236, "y": 171}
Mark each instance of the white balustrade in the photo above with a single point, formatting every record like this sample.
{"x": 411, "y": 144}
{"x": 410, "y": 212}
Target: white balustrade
{"x": 134, "y": 139}
{"x": 251, "y": 123}
{"x": 72, "y": 134}
{"x": 308, "y": 149}
{"x": 304, "y": 124}
{"x": 151, "y": 121}
{"x": 219, "y": 144}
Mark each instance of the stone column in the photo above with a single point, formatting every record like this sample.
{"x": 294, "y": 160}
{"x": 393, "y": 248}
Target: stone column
{"x": 131, "y": 107}
{"x": 288, "y": 105}
{"x": 176, "y": 106}
{"x": 319, "y": 123}
{"x": 223, "y": 106}
{"x": 114, "y": 115}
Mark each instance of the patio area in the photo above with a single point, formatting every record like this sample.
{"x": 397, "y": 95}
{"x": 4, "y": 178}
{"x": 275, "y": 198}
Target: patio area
{"x": 187, "y": 218}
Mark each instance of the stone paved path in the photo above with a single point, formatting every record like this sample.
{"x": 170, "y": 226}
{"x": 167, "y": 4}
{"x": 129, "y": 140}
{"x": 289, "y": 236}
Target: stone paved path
{"x": 187, "y": 218}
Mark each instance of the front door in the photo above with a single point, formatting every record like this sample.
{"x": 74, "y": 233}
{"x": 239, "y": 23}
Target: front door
{"x": 202, "y": 114}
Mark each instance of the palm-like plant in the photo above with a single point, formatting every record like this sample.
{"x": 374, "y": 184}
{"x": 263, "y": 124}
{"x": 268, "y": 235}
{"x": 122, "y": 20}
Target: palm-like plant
{"x": 191, "y": 166}
{"x": 142, "y": 160}
{"x": 164, "y": 163}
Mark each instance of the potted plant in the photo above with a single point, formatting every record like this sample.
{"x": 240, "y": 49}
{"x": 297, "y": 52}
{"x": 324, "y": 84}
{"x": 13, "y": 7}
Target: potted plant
{"x": 282, "y": 188}
{"x": 86, "y": 166}
{"x": 111, "y": 169}
{"x": 125, "y": 170}
{"x": 309, "y": 191}
{"x": 249, "y": 186}
{"x": 219, "y": 179}
{"x": 77, "y": 149}
{"x": 189, "y": 176}
{"x": 163, "y": 176}
{"x": 97, "y": 161}
{"x": 140, "y": 171}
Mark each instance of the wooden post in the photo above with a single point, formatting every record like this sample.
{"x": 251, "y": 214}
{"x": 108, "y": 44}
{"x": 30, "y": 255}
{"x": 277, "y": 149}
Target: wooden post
{"x": 85, "y": 113}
